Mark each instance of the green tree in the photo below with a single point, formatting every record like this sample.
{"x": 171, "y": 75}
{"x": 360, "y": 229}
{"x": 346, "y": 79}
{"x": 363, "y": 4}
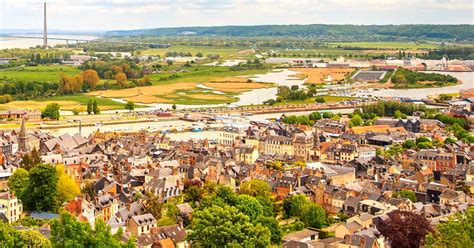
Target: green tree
{"x": 356, "y": 120}
{"x": 409, "y": 144}
{"x": 399, "y": 115}
{"x": 67, "y": 231}
{"x": 18, "y": 182}
{"x": 293, "y": 205}
{"x": 313, "y": 216}
{"x": 10, "y": 237}
{"x": 406, "y": 194}
{"x": 249, "y": 206}
{"x": 32, "y": 238}
{"x": 226, "y": 227}
{"x": 89, "y": 107}
{"x": 130, "y": 106}
{"x": 173, "y": 107}
{"x": 95, "y": 108}
{"x": 31, "y": 159}
{"x": 274, "y": 227}
{"x": 51, "y": 111}
{"x": 458, "y": 231}
{"x": 256, "y": 188}
{"x": 153, "y": 205}
{"x": 193, "y": 194}
{"x": 41, "y": 193}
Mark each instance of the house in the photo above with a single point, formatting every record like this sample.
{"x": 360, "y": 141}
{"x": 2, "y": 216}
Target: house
{"x": 141, "y": 224}
{"x": 452, "y": 197}
{"x": 82, "y": 209}
{"x": 63, "y": 143}
{"x": 247, "y": 154}
{"x": 30, "y": 115}
{"x": 301, "y": 236}
{"x": 166, "y": 236}
{"x": 277, "y": 145}
{"x": 10, "y": 207}
{"x": 106, "y": 206}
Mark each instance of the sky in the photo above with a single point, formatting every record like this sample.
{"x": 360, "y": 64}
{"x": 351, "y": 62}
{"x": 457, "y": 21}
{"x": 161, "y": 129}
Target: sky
{"x": 102, "y": 15}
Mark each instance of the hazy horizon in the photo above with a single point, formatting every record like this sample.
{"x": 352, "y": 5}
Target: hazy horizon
{"x": 69, "y": 15}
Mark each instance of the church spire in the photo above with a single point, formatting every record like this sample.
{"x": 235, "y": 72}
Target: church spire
{"x": 23, "y": 137}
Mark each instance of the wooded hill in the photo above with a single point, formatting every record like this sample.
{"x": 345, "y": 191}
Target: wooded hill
{"x": 462, "y": 32}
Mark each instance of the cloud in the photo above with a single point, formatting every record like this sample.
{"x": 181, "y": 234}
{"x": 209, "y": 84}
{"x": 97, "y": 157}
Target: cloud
{"x": 124, "y": 14}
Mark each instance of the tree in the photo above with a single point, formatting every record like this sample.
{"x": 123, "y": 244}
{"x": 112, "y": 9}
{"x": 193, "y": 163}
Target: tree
{"x": 91, "y": 78}
{"x": 18, "y": 182}
{"x": 41, "y": 193}
{"x": 130, "y": 106}
{"x": 399, "y": 115}
{"x": 313, "y": 216}
{"x": 458, "y": 231}
{"x": 153, "y": 205}
{"x": 319, "y": 99}
{"x": 32, "y": 238}
{"x": 409, "y": 144}
{"x": 67, "y": 187}
{"x": 173, "y": 107}
{"x": 226, "y": 227}
{"x": 11, "y": 237}
{"x": 406, "y": 194}
{"x": 272, "y": 224}
{"x": 356, "y": 120}
{"x": 30, "y": 160}
{"x": 67, "y": 231}
{"x": 256, "y": 188}
{"x": 293, "y": 205}
{"x": 95, "y": 108}
{"x": 51, "y": 111}
{"x": 249, "y": 206}
{"x": 193, "y": 194}
{"x": 405, "y": 229}
{"x": 89, "y": 107}
{"x": 121, "y": 79}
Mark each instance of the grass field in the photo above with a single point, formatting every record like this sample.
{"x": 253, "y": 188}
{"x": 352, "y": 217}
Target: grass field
{"x": 43, "y": 73}
{"x": 202, "y": 73}
{"x": 225, "y": 53}
{"x": 385, "y": 45}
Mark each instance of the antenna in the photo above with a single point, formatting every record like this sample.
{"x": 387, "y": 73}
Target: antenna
{"x": 45, "y": 29}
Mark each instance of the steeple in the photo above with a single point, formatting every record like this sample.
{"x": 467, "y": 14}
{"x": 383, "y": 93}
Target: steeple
{"x": 23, "y": 137}
{"x": 316, "y": 140}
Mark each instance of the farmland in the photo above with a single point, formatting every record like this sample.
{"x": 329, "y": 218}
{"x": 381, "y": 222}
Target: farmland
{"x": 225, "y": 53}
{"x": 43, "y": 73}
{"x": 318, "y": 75}
{"x": 384, "y": 45}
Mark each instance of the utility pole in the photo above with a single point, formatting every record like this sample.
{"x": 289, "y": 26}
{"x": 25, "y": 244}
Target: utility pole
{"x": 45, "y": 29}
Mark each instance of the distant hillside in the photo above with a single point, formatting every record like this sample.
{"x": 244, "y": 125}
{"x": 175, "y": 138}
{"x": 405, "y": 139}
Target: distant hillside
{"x": 342, "y": 32}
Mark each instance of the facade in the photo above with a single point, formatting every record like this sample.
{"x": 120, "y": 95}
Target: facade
{"x": 10, "y": 206}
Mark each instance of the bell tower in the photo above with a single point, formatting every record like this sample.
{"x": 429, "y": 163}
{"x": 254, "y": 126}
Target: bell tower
{"x": 23, "y": 137}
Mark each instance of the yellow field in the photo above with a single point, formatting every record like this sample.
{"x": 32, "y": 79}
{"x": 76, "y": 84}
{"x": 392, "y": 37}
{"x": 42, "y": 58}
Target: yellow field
{"x": 167, "y": 92}
{"x": 143, "y": 91}
{"x": 317, "y": 75}
{"x": 146, "y": 99}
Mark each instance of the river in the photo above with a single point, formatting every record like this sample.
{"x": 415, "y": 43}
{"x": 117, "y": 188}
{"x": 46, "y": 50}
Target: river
{"x": 8, "y": 42}
{"x": 467, "y": 79}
